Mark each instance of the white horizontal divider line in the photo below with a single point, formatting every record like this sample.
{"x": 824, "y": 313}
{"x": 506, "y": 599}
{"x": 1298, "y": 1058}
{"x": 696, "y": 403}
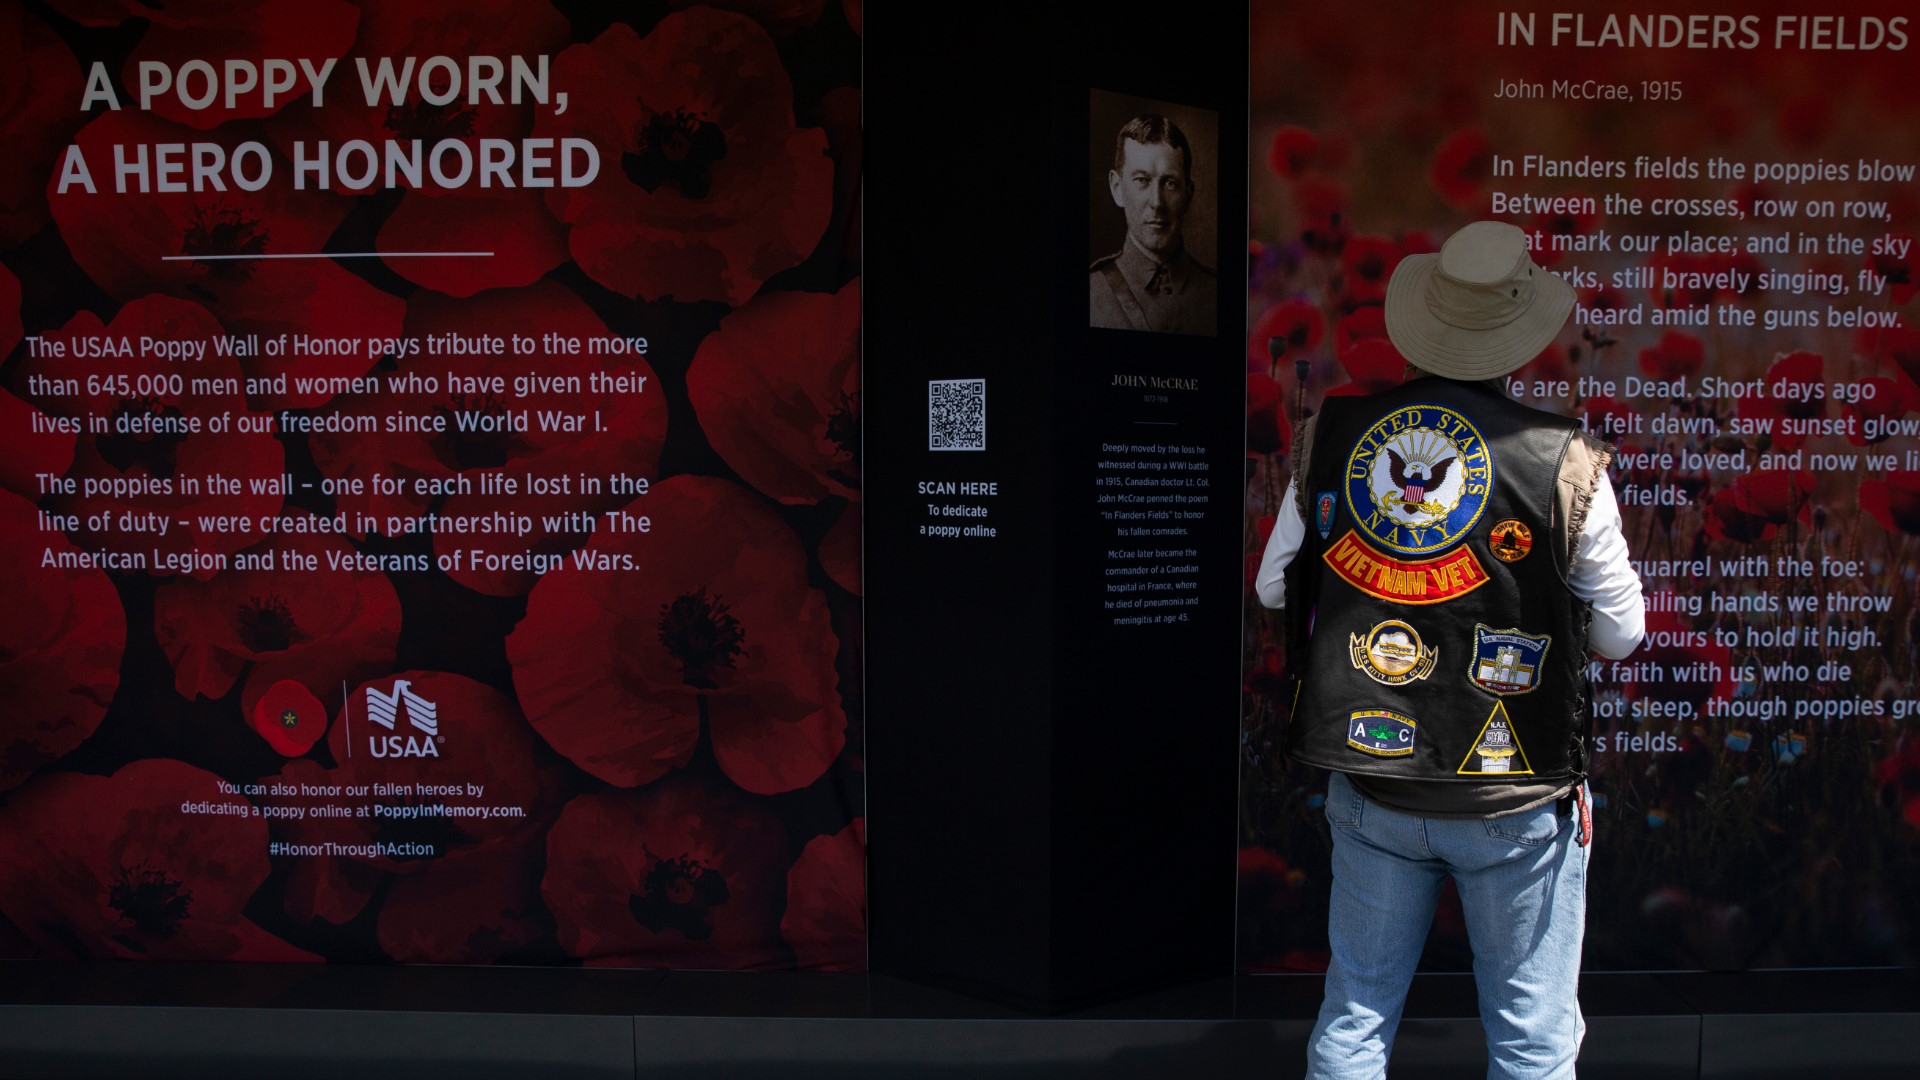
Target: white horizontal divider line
{"x": 336, "y": 255}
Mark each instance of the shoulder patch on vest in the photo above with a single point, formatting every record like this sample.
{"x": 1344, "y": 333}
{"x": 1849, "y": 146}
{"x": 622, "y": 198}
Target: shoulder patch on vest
{"x": 1381, "y": 733}
{"x": 1418, "y": 479}
{"x": 1323, "y": 513}
{"x": 1392, "y": 653}
{"x": 1420, "y": 581}
{"x": 1507, "y": 661}
{"x": 1497, "y": 752}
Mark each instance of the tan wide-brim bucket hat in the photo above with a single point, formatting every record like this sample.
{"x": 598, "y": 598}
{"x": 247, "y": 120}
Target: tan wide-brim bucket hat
{"x": 1479, "y": 308}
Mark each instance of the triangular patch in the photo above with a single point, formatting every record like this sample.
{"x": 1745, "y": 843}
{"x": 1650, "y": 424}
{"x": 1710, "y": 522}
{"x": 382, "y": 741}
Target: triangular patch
{"x": 1497, "y": 750}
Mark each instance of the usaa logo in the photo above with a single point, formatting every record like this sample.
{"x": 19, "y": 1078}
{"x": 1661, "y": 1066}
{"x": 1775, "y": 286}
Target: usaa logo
{"x": 422, "y": 739}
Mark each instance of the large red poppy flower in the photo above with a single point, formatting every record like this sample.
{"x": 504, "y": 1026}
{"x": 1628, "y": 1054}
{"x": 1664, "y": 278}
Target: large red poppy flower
{"x": 706, "y": 187}
{"x": 625, "y": 424}
{"x": 1462, "y": 164}
{"x": 1368, "y": 321}
{"x": 1372, "y": 365}
{"x": 140, "y": 395}
{"x": 826, "y": 918}
{"x": 1776, "y": 495}
{"x": 40, "y": 89}
{"x": 777, "y": 390}
{"x": 1728, "y": 518}
{"x": 60, "y": 646}
{"x": 1366, "y": 264}
{"x": 617, "y": 669}
{"x": 680, "y": 874}
{"x": 1297, "y": 324}
{"x": 1320, "y": 206}
{"x": 97, "y": 867}
{"x": 1794, "y": 391}
{"x": 316, "y": 630}
{"x": 482, "y": 739}
{"x": 1894, "y": 501}
{"x": 289, "y": 717}
{"x": 1292, "y": 151}
{"x": 1677, "y": 353}
{"x": 123, "y": 242}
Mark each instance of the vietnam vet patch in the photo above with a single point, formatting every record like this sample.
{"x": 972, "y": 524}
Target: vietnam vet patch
{"x": 1392, "y": 653}
{"x": 1428, "y": 581}
{"x": 1381, "y": 733}
{"x": 1497, "y": 752}
{"x": 1418, "y": 479}
{"x": 1323, "y": 513}
{"x": 1506, "y": 661}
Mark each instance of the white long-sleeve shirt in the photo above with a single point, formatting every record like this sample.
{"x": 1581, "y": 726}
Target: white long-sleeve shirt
{"x": 1600, "y": 574}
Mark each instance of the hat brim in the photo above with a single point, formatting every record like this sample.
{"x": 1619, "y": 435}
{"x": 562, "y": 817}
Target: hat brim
{"x": 1458, "y": 353}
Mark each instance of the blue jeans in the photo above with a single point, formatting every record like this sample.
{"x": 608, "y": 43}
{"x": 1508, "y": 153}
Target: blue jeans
{"x": 1523, "y": 884}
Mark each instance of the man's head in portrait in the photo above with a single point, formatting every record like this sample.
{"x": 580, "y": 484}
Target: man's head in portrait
{"x": 1152, "y": 180}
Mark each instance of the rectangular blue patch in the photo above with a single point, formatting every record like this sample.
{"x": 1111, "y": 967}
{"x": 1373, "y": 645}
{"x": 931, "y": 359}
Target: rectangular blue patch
{"x": 1381, "y": 733}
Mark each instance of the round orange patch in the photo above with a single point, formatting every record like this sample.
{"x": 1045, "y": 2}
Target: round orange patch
{"x": 1511, "y": 541}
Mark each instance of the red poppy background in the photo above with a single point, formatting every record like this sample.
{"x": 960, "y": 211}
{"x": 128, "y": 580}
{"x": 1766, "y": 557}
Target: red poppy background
{"x": 676, "y": 873}
{"x": 1738, "y": 400}
{"x": 721, "y": 189}
{"x": 697, "y": 687}
{"x": 722, "y": 631}
{"x": 59, "y": 651}
{"x": 99, "y": 867}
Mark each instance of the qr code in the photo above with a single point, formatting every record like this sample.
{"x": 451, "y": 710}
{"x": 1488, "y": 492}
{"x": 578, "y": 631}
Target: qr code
{"x": 957, "y": 414}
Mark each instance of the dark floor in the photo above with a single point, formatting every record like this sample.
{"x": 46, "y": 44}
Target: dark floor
{"x": 289, "y": 1022}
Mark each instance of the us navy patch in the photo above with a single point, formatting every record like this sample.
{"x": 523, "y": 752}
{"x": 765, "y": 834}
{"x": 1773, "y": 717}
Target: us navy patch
{"x": 1323, "y": 514}
{"x": 1497, "y": 752}
{"x": 1507, "y": 661}
{"x": 1418, "y": 479}
{"x": 1392, "y": 653}
{"x": 1381, "y": 733}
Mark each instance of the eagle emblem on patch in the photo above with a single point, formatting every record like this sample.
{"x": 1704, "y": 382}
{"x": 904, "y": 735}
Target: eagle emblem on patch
{"x": 1497, "y": 752}
{"x": 1507, "y": 661}
{"x": 1418, "y": 479}
{"x": 1392, "y": 653}
{"x": 1323, "y": 513}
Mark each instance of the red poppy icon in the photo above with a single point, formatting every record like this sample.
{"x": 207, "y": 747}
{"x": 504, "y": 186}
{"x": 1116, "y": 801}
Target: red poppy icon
{"x": 290, "y": 718}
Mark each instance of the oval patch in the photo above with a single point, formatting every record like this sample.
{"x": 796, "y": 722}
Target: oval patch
{"x": 1418, "y": 479}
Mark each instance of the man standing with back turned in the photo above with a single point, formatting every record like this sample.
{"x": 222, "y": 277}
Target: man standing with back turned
{"x": 1447, "y": 557}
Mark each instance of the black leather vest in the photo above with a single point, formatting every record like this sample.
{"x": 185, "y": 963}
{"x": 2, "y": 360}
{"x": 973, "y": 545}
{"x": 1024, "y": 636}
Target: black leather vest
{"x": 1440, "y": 639}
